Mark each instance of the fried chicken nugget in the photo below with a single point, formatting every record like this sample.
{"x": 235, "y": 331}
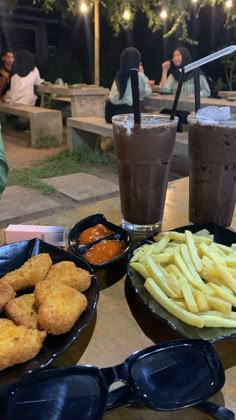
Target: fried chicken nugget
{"x": 18, "y": 344}
{"x": 31, "y": 272}
{"x": 22, "y": 311}
{"x": 6, "y": 293}
{"x": 60, "y": 307}
{"x": 67, "y": 273}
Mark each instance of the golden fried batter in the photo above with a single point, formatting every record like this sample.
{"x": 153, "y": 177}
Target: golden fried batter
{"x": 6, "y": 293}
{"x": 18, "y": 344}
{"x": 60, "y": 307}
{"x": 67, "y": 273}
{"x": 22, "y": 311}
{"x": 30, "y": 273}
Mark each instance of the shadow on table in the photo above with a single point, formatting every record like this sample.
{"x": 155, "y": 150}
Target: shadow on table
{"x": 73, "y": 354}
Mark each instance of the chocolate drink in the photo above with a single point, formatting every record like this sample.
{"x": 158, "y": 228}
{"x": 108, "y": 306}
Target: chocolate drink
{"x": 212, "y": 182}
{"x": 144, "y": 155}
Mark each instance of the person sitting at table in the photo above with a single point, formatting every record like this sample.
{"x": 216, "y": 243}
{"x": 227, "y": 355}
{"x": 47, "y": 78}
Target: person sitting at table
{"x": 23, "y": 81}
{"x": 169, "y": 83}
{"x": 5, "y": 71}
{"x": 120, "y": 99}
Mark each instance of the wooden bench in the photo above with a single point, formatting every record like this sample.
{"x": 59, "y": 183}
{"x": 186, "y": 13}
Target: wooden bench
{"x": 87, "y": 130}
{"x": 43, "y": 121}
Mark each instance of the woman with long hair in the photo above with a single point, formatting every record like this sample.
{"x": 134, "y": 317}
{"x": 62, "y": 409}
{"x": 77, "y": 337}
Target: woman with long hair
{"x": 25, "y": 77}
{"x": 120, "y": 97}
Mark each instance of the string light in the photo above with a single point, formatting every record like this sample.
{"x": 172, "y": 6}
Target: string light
{"x": 163, "y": 14}
{"x": 228, "y": 4}
{"x": 126, "y": 14}
{"x": 83, "y": 7}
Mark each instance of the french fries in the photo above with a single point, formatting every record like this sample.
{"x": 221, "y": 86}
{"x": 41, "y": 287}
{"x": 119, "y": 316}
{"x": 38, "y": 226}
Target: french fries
{"x": 192, "y": 277}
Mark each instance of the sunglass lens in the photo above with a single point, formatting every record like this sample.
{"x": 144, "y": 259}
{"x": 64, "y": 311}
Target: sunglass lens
{"x": 68, "y": 397}
{"x": 175, "y": 377}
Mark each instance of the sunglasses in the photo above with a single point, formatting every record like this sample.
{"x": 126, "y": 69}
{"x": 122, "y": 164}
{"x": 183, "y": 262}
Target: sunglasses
{"x": 169, "y": 376}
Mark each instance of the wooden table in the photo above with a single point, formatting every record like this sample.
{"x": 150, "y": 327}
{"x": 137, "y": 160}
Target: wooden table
{"x": 85, "y": 100}
{"x": 116, "y": 333}
{"x": 227, "y": 94}
{"x": 185, "y": 103}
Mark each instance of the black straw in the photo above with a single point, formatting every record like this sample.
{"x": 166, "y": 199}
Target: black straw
{"x": 197, "y": 89}
{"x": 177, "y": 95}
{"x": 135, "y": 95}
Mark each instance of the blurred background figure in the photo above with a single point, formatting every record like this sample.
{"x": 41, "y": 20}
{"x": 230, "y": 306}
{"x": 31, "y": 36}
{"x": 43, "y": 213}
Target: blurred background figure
{"x": 25, "y": 76}
{"x": 171, "y": 75}
{"x": 5, "y": 71}
{"x": 120, "y": 97}
{"x": 3, "y": 166}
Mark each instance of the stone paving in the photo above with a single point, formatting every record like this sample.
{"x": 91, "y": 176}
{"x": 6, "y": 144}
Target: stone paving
{"x": 19, "y": 204}
{"x": 82, "y": 186}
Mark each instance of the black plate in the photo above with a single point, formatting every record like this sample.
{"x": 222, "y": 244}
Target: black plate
{"x": 222, "y": 236}
{"x": 12, "y": 257}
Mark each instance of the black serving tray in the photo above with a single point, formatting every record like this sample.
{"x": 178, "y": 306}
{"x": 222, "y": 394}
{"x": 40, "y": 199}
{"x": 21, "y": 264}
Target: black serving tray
{"x": 12, "y": 257}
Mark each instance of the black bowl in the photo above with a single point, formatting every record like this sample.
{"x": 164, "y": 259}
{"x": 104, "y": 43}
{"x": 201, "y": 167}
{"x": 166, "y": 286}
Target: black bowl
{"x": 109, "y": 271}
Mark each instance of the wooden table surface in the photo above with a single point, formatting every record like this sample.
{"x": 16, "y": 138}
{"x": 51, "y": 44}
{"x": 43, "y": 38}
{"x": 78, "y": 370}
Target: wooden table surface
{"x": 115, "y": 333}
{"x": 186, "y": 103}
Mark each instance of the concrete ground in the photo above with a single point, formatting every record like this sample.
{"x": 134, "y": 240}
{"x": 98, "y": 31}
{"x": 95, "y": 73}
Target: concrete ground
{"x": 20, "y": 205}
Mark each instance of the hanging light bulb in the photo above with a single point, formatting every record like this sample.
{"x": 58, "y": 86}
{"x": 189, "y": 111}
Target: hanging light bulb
{"x": 194, "y": 1}
{"x": 83, "y": 7}
{"x": 228, "y": 4}
{"x": 126, "y": 15}
{"x": 163, "y": 14}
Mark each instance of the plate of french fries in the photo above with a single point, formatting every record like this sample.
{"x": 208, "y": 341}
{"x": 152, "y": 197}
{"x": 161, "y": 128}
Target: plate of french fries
{"x": 187, "y": 277}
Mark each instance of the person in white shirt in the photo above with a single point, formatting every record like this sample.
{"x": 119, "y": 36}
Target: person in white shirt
{"x": 120, "y": 97}
{"x": 25, "y": 77}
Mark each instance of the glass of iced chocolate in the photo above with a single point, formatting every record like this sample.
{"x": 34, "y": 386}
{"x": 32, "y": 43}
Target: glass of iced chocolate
{"x": 212, "y": 179}
{"x": 144, "y": 153}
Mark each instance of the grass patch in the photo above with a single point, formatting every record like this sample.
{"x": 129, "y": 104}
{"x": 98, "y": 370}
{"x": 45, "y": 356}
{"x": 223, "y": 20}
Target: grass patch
{"x": 46, "y": 142}
{"x": 62, "y": 163}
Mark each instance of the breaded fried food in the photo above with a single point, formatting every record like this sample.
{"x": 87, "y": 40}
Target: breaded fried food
{"x": 60, "y": 307}
{"x": 67, "y": 273}
{"x": 6, "y": 293}
{"x": 22, "y": 311}
{"x": 30, "y": 273}
{"x": 18, "y": 344}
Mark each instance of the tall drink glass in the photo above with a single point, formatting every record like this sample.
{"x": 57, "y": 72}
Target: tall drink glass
{"x": 144, "y": 153}
{"x": 212, "y": 180}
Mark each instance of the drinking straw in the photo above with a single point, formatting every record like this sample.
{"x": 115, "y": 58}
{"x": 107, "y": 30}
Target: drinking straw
{"x": 196, "y": 65}
{"x": 177, "y": 95}
{"x": 208, "y": 58}
{"x": 135, "y": 95}
{"x": 197, "y": 89}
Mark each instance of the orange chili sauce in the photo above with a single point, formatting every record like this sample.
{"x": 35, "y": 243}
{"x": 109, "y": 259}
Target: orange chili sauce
{"x": 93, "y": 233}
{"x": 103, "y": 251}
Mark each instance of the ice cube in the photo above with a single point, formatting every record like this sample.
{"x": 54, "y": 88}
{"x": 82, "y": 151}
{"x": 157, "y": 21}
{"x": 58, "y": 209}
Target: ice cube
{"x": 214, "y": 113}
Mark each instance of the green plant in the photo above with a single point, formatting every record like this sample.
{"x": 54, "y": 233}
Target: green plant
{"x": 45, "y": 141}
{"x": 178, "y": 12}
{"x": 230, "y": 70}
{"x": 62, "y": 163}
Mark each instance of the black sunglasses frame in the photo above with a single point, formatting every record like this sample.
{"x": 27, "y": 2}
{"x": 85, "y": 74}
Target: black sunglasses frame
{"x": 130, "y": 392}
